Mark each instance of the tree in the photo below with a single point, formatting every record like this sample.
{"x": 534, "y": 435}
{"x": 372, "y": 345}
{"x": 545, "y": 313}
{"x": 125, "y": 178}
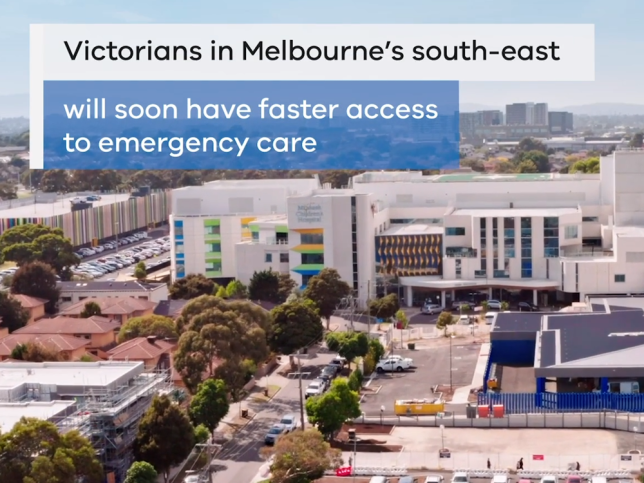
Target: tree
{"x": 140, "y": 271}
{"x": 91, "y": 309}
{"x": 294, "y": 326}
{"x": 209, "y": 405}
{"x": 302, "y": 457}
{"x": 141, "y": 472}
{"x": 527, "y": 166}
{"x": 55, "y": 181}
{"x": 348, "y": 344}
{"x": 264, "y": 285}
{"x": 202, "y": 435}
{"x": 285, "y": 287}
{"x": 531, "y": 144}
{"x": 12, "y": 315}
{"x": 38, "y": 280}
{"x": 95, "y": 179}
{"x": 35, "y": 452}
{"x": 637, "y": 140}
{"x": 165, "y": 436}
{"x": 332, "y": 409}
{"x": 327, "y": 289}
{"x": 537, "y": 157}
{"x": 191, "y": 287}
{"x": 588, "y": 166}
{"x": 355, "y": 380}
{"x": 157, "y": 325}
{"x": 236, "y": 373}
{"x": 376, "y": 350}
{"x": 401, "y": 318}
{"x": 28, "y": 243}
{"x": 221, "y": 293}
{"x": 444, "y": 320}
{"x": 8, "y": 191}
{"x": 36, "y": 352}
{"x": 236, "y": 290}
{"x": 385, "y": 307}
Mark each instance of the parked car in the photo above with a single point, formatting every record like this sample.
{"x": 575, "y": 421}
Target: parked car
{"x": 391, "y": 364}
{"x": 527, "y": 307}
{"x": 338, "y": 361}
{"x": 289, "y": 422}
{"x": 316, "y": 388}
{"x": 493, "y": 304}
{"x": 457, "y": 305}
{"x": 460, "y": 477}
{"x": 329, "y": 372}
{"x": 489, "y": 317}
{"x": 573, "y": 479}
{"x": 431, "y": 309}
{"x": 434, "y": 479}
{"x": 548, "y": 479}
{"x": 408, "y": 479}
{"x": 275, "y": 432}
{"x": 379, "y": 479}
{"x": 501, "y": 479}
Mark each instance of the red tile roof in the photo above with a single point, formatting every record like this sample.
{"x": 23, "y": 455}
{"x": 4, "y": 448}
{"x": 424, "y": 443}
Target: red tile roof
{"x": 70, "y": 326}
{"x": 140, "y": 349}
{"x": 111, "y": 306}
{"x": 28, "y": 302}
{"x": 55, "y": 342}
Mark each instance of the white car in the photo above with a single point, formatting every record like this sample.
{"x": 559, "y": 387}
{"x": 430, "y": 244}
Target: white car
{"x": 460, "y": 477}
{"x": 549, "y": 479}
{"x": 431, "y": 309}
{"x": 501, "y": 479}
{"x": 316, "y": 388}
{"x": 434, "y": 479}
{"x": 394, "y": 364}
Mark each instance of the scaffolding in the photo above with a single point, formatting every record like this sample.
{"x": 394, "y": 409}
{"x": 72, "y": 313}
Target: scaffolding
{"x": 109, "y": 419}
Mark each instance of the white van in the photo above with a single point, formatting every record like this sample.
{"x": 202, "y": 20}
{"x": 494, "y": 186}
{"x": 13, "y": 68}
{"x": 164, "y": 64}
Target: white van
{"x": 490, "y": 317}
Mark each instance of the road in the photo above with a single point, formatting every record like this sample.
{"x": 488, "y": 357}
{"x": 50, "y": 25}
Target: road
{"x": 240, "y": 459}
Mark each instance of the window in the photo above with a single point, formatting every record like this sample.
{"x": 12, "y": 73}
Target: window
{"x": 283, "y": 257}
{"x": 213, "y": 230}
{"x": 312, "y": 258}
{"x": 455, "y": 231}
{"x": 551, "y": 237}
{"x": 255, "y": 235}
{"x": 620, "y": 278}
{"x": 178, "y": 248}
{"x": 213, "y": 247}
{"x": 590, "y": 219}
{"x": 571, "y": 232}
{"x": 178, "y": 229}
{"x": 312, "y": 239}
{"x": 181, "y": 269}
{"x": 268, "y": 258}
{"x": 526, "y": 247}
{"x": 213, "y": 265}
{"x": 305, "y": 279}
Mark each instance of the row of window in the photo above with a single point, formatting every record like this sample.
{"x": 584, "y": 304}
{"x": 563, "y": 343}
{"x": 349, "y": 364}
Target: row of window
{"x": 268, "y": 257}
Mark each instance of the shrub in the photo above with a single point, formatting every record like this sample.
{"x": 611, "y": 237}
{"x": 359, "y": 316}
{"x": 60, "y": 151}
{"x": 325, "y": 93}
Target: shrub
{"x": 355, "y": 380}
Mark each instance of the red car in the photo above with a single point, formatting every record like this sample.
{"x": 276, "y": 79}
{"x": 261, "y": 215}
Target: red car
{"x": 573, "y": 479}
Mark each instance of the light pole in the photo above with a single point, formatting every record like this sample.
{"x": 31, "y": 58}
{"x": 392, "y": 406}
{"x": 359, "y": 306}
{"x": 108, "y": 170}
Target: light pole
{"x": 450, "y": 362}
{"x": 352, "y": 437}
{"x": 382, "y": 410}
{"x": 442, "y": 437}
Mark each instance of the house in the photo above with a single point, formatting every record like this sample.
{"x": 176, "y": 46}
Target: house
{"x": 170, "y": 308}
{"x": 70, "y": 347}
{"x": 101, "y": 332}
{"x": 153, "y": 352}
{"x": 120, "y": 309}
{"x": 35, "y": 306}
{"x": 74, "y": 292}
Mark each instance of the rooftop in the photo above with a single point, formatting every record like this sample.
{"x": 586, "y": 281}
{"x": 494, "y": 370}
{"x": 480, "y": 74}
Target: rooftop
{"x": 72, "y": 375}
{"x": 111, "y": 306}
{"x": 28, "y": 302}
{"x": 10, "y": 413}
{"x": 71, "y": 325}
{"x": 140, "y": 349}
{"x": 60, "y": 207}
{"x": 99, "y": 286}
{"x": 55, "y": 342}
{"x": 170, "y": 308}
{"x": 515, "y": 212}
{"x": 417, "y": 177}
{"x": 413, "y": 229}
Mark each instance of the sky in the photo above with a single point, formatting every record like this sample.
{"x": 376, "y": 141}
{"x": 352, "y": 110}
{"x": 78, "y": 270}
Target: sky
{"x": 618, "y": 28}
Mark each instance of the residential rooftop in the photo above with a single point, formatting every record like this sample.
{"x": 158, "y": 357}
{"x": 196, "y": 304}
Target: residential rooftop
{"x": 140, "y": 348}
{"x": 28, "y": 302}
{"x": 170, "y": 308}
{"x": 111, "y": 305}
{"x": 71, "y": 325}
{"x": 54, "y": 342}
{"x": 11, "y": 413}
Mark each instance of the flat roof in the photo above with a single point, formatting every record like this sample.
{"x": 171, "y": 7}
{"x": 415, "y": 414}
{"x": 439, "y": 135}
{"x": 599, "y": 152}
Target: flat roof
{"x": 69, "y": 374}
{"x": 518, "y": 321}
{"x": 60, "y": 207}
{"x": 437, "y": 282}
{"x": 629, "y": 231}
{"x": 413, "y": 229}
{"x": 470, "y": 177}
{"x": 10, "y": 413}
{"x": 515, "y": 212}
{"x": 616, "y": 304}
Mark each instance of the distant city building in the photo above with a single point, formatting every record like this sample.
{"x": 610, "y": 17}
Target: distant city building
{"x": 560, "y": 122}
{"x": 539, "y": 114}
{"x": 471, "y": 121}
{"x": 526, "y": 113}
{"x": 511, "y": 132}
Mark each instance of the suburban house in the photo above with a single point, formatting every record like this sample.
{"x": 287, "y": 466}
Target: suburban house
{"x": 120, "y": 309}
{"x": 74, "y": 292}
{"x": 101, "y": 332}
{"x": 35, "y": 306}
{"x": 170, "y": 308}
{"x": 70, "y": 347}
{"x": 153, "y": 352}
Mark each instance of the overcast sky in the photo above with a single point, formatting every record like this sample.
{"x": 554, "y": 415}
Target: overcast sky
{"x": 618, "y": 27}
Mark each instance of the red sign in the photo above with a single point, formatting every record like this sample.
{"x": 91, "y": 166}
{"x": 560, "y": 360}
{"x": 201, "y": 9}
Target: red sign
{"x": 537, "y": 457}
{"x": 346, "y": 471}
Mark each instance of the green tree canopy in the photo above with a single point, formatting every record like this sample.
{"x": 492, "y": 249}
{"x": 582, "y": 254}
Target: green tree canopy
{"x": 531, "y": 144}
{"x": 141, "y": 472}
{"x": 330, "y": 410}
{"x": 29, "y": 243}
{"x": 95, "y": 179}
{"x": 221, "y": 293}
{"x": 348, "y": 344}
{"x": 444, "y": 319}
{"x": 385, "y": 307}
{"x": 527, "y": 166}
{"x": 537, "y": 157}
{"x": 35, "y": 452}
{"x": 191, "y": 286}
{"x": 55, "y": 181}
{"x": 588, "y": 165}
{"x": 327, "y": 290}
{"x": 264, "y": 285}
{"x": 146, "y": 325}
{"x": 302, "y": 457}
{"x": 165, "y": 436}
{"x": 12, "y": 315}
{"x": 236, "y": 290}
{"x": 285, "y": 285}
{"x": 140, "y": 271}
{"x": 91, "y": 309}
{"x": 209, "y": 404}
{"x": 236, "y": 373}
{"x": 36, "y": 352}
{"x": 294, "y": 326}
{"x": 37, "y": 279}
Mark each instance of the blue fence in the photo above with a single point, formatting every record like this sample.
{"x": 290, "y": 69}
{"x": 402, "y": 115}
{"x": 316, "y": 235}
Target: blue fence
{"x": 549, "y": 402}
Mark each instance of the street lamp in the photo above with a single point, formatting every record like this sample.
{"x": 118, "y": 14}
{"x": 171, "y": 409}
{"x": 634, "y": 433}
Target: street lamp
{"x": 352, "y": 437}
{"x": 382, "y": 410}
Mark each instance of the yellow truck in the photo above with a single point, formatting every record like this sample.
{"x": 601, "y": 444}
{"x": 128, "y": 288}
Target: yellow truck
{"x": 419, "y": 407}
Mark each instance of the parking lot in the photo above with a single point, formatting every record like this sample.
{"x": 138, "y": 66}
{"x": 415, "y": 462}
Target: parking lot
{"x": 431, "y": 368}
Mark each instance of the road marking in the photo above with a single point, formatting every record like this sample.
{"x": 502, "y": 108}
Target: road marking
{"x": 455, "y": 368}
{"x": 457, "y": 358}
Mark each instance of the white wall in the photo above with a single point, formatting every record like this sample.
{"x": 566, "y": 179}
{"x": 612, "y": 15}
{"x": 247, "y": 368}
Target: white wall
{"x": 629, "y": 195}
{"x": 251, "y": 257}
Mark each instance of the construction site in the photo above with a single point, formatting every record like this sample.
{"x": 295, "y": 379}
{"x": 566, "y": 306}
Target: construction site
{"x": 104, "y": 401}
